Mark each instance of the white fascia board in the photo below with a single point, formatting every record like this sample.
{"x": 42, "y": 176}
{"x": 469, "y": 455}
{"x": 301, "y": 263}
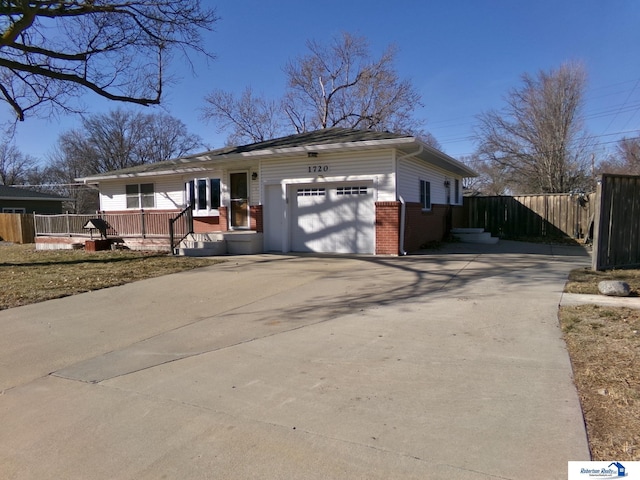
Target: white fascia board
{"x": 94, "y": 180}
{"x": 203, "y": 162}
{"x": 459, "y": 165}
{"x": 445, "y": 161}
{"x": 329, "y": 147}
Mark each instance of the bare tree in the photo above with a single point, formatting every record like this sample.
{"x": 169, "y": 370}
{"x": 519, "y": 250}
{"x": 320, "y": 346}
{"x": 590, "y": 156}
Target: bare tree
{"x": 340, "y": 85}
{"x": 165, "y": 138}
{"x": 491, "y": 179}
{"x": 112, "y": 141}
{"x": 538, "y": 139}
{"x": 66, "y": 163}
{"x": 15, "y": 166}
{"x": 625, "y": 160}
{"x": 52, "y": 50}
{"x": 250, "y": 118}
{"x": 335, "y": 85}
{"x": 122, "y": 138}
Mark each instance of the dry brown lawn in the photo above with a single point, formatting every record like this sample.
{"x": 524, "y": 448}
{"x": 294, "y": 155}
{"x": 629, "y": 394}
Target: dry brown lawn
{"x": 604, "y": 346}
{"x": 30, "y": 276}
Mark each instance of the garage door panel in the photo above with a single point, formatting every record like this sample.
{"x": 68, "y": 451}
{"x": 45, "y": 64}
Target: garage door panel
{"x": 336, "y": 219}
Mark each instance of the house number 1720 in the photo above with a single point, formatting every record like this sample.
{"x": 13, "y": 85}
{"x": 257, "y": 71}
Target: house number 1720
{"x": 318, "y": 168}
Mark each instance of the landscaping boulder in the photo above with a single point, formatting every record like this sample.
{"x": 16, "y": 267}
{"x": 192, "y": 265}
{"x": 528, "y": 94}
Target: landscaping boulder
{"x": 614, "y": 288}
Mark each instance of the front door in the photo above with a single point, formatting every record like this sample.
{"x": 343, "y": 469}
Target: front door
{"x": 239, "y": 200}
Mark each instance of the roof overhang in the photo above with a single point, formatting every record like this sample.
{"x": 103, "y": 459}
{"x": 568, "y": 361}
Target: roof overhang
{"x": 204, "y": 161}
{"x": 439, "y": 159}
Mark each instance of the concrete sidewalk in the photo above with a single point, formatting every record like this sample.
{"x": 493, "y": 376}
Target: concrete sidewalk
{"x": 444, "y": 365}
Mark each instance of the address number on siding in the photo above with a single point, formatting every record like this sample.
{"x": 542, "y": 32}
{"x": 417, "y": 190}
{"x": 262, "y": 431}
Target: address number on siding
{"x": 318, "y": 168}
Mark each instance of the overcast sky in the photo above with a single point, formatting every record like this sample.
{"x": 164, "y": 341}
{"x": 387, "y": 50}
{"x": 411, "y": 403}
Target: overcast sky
{"x": 462, "y": 56}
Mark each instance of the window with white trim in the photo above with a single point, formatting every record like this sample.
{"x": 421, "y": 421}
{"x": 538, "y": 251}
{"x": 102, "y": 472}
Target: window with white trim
{"x": 203, "y": 193}
{"x": 457, "y": 191}
{"x": 13, "y": 210}
{"x": 425, "y": 194}
{"x": 140, "y": 195}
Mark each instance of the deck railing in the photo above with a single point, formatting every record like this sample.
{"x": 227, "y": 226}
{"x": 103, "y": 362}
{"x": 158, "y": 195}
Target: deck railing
{"x": 142, "y": 224}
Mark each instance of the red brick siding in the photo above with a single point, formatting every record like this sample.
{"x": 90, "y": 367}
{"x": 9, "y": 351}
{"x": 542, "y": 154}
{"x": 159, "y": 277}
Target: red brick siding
{"x": 387, "y": 228}
{"x": 425, "y": 226}
{"x": 224, "y": 216}
{"x": 255, "y": 218}
{"x": 206, "y": 224}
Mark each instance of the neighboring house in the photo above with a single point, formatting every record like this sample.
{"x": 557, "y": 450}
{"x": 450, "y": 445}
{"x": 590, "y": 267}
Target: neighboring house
{"x": 334, "y": 190}
{"x": 23, "y": 200}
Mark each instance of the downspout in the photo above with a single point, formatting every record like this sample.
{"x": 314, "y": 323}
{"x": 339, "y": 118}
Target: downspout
{"x": 403, "y": 205}
{"x": 403, "y": 209}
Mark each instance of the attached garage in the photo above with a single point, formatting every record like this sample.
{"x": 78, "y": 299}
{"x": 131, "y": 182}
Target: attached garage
{"x": 336, "y": 218}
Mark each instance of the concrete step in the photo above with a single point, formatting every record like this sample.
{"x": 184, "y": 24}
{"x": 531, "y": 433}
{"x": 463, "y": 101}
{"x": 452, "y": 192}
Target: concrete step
{"x": 474, "y": 235}
{"x": 200, "y": 244}
{"x": 467, "y": 230}
{"x": 244, "y": 243}
{"x": 203, "y": 245}
{"x": 222, "y": 243}
{"x": 206, "y": 237}
{"x": 200, "y": 252}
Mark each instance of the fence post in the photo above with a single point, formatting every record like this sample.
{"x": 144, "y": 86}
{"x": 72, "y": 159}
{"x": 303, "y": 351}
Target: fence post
{"x": 597, "y": 241}
{"x": 171, "y": 236}
{"x": 142, "y": 223}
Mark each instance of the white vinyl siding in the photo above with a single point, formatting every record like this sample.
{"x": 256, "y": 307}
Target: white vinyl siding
{"x": 410, "y": 171}
{"x": 168, "y": 195}
{"x": 375, "y": 165}
{"x": 254, "y": 187}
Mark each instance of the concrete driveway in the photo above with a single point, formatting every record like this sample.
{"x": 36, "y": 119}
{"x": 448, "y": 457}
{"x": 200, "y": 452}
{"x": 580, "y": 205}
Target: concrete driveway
{"x": 444, "y": 365}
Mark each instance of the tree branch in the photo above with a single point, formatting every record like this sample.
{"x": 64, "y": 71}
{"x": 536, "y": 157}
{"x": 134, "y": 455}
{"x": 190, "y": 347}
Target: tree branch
{"x": 67, "y": 77}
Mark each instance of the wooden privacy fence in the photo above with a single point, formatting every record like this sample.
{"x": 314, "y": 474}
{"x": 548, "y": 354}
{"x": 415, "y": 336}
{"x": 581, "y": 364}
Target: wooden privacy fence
{"x": 17, "y": 228}
{"x": 531, "y": 216}
{"x": 616, "y": 240}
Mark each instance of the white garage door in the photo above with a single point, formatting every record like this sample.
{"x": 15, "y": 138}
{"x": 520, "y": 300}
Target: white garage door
{"x": 333, "y": 219}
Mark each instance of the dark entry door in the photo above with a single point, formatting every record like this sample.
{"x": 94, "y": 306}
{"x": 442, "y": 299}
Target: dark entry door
{"x": 239, "y": 200}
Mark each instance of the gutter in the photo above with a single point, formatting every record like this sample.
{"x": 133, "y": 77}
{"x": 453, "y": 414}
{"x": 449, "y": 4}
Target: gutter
{"x": 412, "y": 154}
{"x": 403, "y": 210}
{"x": 403, "y": 207}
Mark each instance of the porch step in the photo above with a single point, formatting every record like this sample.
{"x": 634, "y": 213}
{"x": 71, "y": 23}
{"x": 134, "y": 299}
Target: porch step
{"x": 222, "y": 243}
{"x": 474, "y": 235}
{"x": 203, "y": 245}
{"x": 244, "y": 243}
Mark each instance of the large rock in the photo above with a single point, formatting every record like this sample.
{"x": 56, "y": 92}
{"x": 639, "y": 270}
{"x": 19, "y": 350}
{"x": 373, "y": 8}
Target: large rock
{"x": 614, "y": 288}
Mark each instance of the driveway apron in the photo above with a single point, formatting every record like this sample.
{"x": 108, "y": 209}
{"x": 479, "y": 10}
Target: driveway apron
{"x": 449, "y": 364}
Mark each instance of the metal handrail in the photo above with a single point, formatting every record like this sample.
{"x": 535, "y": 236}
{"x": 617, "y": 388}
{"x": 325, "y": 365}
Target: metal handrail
{"x": 186, "y": 216}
